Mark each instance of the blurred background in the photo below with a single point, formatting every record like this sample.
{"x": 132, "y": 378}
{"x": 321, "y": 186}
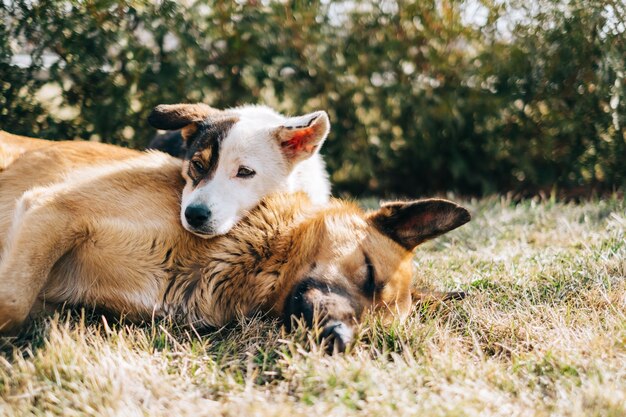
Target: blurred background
{"x": 474, "y": 97}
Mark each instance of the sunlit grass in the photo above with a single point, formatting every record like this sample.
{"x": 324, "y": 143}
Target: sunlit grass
{"x": 542, "y": 332}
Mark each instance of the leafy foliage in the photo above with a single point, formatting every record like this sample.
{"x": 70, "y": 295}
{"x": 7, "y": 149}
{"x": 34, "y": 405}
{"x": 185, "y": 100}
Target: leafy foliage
{"x": 421, "y": 98}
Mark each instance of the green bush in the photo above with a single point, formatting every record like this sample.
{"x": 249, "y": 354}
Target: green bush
{"x": 421, "y": 99}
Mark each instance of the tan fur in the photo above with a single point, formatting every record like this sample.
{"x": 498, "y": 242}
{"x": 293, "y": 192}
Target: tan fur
{"x": 46, "y": 162}
{"x": 12, "y": 146}
{"x": 108, "y": 234}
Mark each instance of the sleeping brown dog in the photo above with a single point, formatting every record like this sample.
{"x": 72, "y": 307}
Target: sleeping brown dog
{"x": 108, "y": 234}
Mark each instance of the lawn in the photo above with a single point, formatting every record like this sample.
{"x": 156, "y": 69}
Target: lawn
{"x": 542, "y": 332}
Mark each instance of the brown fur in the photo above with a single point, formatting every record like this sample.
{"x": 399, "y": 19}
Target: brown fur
{"x": 177, "y": 116}
{"x": 109, "y": 235}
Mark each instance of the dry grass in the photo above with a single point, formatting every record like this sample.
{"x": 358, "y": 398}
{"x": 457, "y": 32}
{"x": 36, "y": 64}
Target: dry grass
{"x": 543, "y": 332}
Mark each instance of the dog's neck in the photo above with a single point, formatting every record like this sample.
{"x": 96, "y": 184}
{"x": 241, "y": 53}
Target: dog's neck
{"x": 262, "y": 253}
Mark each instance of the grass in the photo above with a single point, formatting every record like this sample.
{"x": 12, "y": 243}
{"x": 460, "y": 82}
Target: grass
{"x": 543, "y": 332}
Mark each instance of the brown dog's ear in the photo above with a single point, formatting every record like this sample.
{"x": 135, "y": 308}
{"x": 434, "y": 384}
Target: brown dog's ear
{"x": 412, "y": 223}
{"x": 300, "y": 137}
{"x": 181, "y": 116}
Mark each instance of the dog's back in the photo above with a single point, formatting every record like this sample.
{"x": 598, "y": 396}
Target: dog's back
{"x": 12, "y": 146}
{"x": 36, "y": 162}
{"x": 26, "y": 163}
{"x": 110, "y": 202}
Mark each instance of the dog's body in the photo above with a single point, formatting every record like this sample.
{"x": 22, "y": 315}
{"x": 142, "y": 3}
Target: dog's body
{"x": 109, "y": 235}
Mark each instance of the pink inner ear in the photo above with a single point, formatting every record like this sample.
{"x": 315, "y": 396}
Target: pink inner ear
{"x": 299, "y": 140}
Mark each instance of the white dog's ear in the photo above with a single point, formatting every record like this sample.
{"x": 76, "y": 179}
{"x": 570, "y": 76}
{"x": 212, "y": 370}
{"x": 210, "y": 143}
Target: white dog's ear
{"x": 181, "y": 116}
{"x": 300, "y": 137}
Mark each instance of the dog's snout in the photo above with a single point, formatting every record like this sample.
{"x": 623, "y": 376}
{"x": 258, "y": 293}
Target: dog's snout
{"x": 338, "y": 335}
{"x": 324, "y": 306}
{"x": 197, "y": 215}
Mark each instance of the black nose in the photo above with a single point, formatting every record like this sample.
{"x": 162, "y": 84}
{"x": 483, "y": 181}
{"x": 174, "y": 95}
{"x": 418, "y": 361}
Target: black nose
{"x": 197, "y": 215}
{"x": 337, "y": 336}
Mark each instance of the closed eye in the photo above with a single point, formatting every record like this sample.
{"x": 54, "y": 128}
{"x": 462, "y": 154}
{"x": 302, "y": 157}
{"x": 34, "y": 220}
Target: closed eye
{"x": 370, "y": 279}
{"x": 245, "y": 172}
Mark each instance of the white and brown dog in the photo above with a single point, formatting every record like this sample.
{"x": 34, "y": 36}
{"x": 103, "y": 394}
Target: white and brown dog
{"x": 232, "y": 158}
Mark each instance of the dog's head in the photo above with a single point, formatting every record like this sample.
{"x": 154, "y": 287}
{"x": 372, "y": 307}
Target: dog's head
{"x": 235, "y": 157}
{"x": 359, "y": 262}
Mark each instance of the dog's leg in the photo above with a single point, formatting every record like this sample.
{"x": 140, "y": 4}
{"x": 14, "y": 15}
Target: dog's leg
{"x": 42, "y": 231}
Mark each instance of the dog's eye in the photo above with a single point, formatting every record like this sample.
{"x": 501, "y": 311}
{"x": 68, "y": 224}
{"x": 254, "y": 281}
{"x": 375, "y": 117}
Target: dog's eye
{"x": 198, "y": 166}
{"x": 370, "y": 280}
{"x": 245, "y": 172}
